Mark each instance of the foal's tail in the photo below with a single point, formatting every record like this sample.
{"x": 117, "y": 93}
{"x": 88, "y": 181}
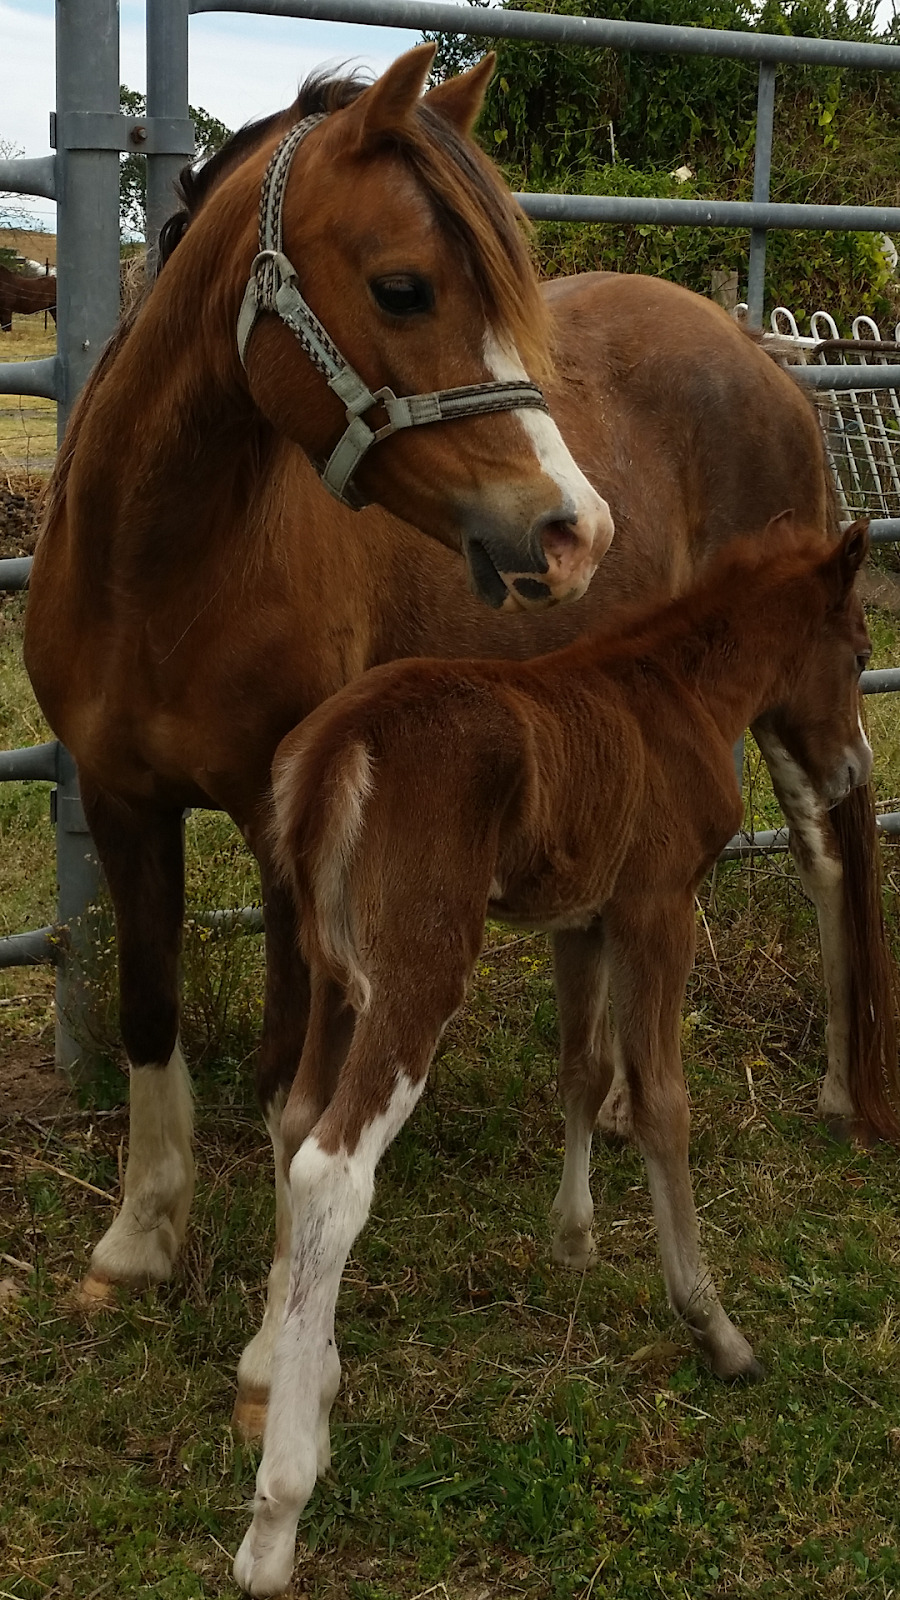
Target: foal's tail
{"x": 320, "y": 798}
{"x": 874, "y": 1068}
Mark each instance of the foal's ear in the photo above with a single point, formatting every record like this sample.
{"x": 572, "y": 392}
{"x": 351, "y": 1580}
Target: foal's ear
{"x": 394, "y": 96}
{"x": 850, "y": 554}
{"x": 460, "y": 99}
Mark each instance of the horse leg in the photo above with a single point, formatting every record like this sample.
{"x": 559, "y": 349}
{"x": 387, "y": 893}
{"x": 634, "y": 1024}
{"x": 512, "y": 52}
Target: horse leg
{"x": 836, "y": 854}
{"x": 289, "y": 1017}
{"x": 585, "y": 1073}
{"x": 141, "y": 851}
{"x": 651, "y": 951}
{"x": 331, "y": 1180}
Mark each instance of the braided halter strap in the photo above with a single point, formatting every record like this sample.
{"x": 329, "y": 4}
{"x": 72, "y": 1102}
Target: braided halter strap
{"x": 273, "y": 287}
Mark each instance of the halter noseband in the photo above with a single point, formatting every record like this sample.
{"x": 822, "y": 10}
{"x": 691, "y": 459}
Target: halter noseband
{"x": 272, "y": 286}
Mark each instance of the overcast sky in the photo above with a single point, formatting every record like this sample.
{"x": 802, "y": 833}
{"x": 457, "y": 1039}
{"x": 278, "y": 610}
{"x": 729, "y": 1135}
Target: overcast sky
{"x": 240, "y": 66}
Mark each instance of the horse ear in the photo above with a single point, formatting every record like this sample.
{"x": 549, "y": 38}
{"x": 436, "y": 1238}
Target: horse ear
{"x": 394, "y": 96}
{"x": 854, "y": 548}
{"x": 460, "y": 99}
{"x": 845, "y": 559}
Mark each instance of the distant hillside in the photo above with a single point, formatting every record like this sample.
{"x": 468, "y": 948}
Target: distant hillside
{"x": 34, "y": 246}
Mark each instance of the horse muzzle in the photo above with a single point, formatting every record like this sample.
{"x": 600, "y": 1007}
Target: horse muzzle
{"x": 552, "y": 566}
{"x": 854, "y": 771}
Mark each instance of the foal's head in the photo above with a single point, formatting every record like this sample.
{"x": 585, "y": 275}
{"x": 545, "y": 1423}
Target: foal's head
{"x": 816, "y": 720}
{"x": 410, "y": 250}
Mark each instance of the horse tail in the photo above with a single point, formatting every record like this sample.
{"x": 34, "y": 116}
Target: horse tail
{"x": 320, "y": 801}
{"x": 874, "y": 1069}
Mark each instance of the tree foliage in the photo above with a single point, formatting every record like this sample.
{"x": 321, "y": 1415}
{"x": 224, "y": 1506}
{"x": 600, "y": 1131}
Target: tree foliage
{"x": 210, "y": 135}
{"x": 618, "y": 122}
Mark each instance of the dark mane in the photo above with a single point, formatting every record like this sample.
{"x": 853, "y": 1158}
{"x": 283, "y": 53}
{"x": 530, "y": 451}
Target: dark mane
{"x": 321, "y": 94}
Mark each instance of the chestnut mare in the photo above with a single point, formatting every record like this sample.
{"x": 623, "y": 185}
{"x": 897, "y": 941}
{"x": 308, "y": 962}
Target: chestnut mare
{"x": 427, "y": 796}
{"x": 19, "y": 291}
{"x": 196, "y": 593}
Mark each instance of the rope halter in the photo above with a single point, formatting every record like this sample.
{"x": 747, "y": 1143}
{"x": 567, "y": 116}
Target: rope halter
{"x": 272, "y": 286}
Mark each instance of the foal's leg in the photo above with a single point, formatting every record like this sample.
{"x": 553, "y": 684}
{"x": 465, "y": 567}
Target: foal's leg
{"x": 817, "y": 858}
{"x": 288, "y": 1020}
{"x": 585, "y": 1074}
{"x": 141, "y": 852}
{"x": 331, "y": 1185}
{"x": 650, "y": 957}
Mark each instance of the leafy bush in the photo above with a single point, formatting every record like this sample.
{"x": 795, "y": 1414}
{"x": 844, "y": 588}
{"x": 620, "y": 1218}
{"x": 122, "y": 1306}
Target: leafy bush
{"x": 563, "y": 118}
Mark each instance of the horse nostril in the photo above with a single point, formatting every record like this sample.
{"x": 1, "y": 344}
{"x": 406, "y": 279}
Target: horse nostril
{"x": 558, "y": 541}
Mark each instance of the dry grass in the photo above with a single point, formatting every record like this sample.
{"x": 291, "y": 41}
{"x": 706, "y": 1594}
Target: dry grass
{"x": 29, "y": 243}
{"x": 27, "y": 425}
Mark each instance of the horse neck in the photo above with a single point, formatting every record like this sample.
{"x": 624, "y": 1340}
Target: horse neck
{"x": 173, "y": 407}
{"x": 736, "y": 657}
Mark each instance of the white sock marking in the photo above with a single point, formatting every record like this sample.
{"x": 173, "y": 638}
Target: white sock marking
{"x": 331, "y": 1196}
{"x": 142, "y": 1243}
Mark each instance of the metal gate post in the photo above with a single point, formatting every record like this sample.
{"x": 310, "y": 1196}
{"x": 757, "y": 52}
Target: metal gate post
{"x": 762, "y": 173}
{"x": 87, "y": 106}
{"x": 167, "y": 97}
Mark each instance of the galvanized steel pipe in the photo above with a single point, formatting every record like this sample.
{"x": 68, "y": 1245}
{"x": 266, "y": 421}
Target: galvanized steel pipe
{"x": 598, "y": 33}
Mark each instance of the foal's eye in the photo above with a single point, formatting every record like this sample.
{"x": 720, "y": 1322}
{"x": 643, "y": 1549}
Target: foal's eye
{"x": 402, "y": 294}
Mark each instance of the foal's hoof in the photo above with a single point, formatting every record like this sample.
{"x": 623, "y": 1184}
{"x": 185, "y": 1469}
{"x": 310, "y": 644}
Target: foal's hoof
{"x": 95, "y": 1293}
{"x": 755, "y": 1373}
{"x": 248, "y": 1419}
{"x": 738, "y": 1370}
{"x": 575, "y": 1251}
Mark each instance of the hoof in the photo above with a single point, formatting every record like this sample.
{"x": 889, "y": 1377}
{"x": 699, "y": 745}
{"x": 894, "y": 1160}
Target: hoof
{"x": 751, "y": 1371}
{"x": 755, "y": 1373}
{"x": 248, "y": 1419}
{"x": 95, "y": 1293}
{"x": 576, "y": 1254}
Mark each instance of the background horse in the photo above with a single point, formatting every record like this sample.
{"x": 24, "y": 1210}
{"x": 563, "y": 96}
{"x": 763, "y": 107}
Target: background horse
{"x": 19, "y": 291}
{"x": 428, "y": 795}
{"x": 195, "y": 594}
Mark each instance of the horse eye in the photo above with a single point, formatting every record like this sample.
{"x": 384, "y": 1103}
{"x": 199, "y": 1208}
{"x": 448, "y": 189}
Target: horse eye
{"x": 403, "y": 294}
{"x": 862, "y": 660}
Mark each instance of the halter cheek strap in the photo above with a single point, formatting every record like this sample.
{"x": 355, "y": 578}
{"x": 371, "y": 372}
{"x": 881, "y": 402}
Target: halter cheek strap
{"x": 273, "y": 287}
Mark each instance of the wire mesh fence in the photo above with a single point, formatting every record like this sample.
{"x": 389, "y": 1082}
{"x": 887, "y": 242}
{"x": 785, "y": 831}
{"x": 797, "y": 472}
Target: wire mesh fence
{"x": 861, "y": 427}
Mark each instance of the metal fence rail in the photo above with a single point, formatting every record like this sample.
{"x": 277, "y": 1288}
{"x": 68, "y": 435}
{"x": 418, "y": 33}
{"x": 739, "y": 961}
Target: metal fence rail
{"x": 89, "y": 132}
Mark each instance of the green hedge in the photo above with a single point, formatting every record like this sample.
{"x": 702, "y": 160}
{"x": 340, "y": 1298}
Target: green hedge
{"x": 550, "y": 111}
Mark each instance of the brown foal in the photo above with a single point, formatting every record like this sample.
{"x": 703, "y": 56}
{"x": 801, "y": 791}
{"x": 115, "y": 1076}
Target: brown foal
{"x": 588, "y": 792}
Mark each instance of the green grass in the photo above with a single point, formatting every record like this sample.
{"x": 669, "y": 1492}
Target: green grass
{"x": 503, "y": 1428}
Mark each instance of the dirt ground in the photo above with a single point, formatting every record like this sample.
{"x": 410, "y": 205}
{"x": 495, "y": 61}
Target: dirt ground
{"x": 20, "y": 500}
{"x": 30, "y": 1086}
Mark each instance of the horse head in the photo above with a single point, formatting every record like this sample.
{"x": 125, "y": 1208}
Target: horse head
{"x": 406, "y": 253}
